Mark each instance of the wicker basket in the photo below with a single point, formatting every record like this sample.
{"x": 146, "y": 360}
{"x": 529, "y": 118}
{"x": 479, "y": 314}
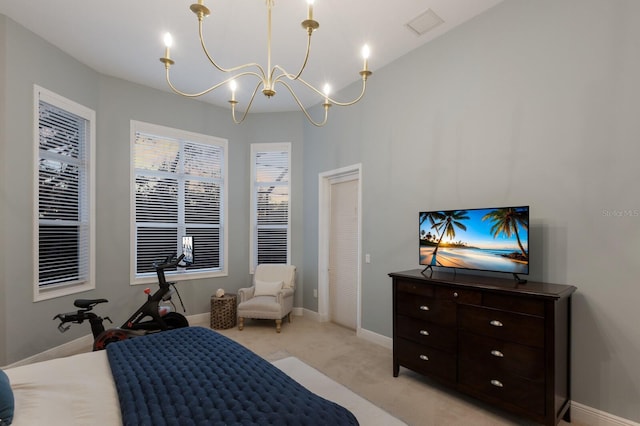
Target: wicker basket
{"x": 223, "y": 311}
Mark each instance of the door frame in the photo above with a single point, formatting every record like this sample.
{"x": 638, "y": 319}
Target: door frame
{"x": 325, "y": 180}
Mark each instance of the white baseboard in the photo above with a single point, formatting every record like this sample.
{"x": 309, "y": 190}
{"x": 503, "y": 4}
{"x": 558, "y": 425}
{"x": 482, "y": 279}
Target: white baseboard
{"x": 583, "y": 414}
{"x": 365, "y": 334}
{"x": 70, "y": 348}
{"x": 310, "y": 314}
{"x": 376, "y": 338}
{"x": 81, "y": 344}
{"x": 204, "y": 317}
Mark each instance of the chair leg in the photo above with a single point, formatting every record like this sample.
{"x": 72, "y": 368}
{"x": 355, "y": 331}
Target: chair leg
{"x": 278, "y": 325}
{"x": 289, "y": 316}
{"x": 240, "y": 323}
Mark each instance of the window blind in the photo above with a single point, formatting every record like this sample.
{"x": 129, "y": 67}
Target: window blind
{"x": 178, "y": 191}
{"x": 63, "y": 197}
{"x": 271, "y": 209}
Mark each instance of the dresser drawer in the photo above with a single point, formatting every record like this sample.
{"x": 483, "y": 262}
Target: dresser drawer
{"x": 470, "y": 297}
{"x": 426, "y": 308}
{"x": 514, "y": 390}
{"x": 426, "y": 333}
{"x": 514, "y": 304}
{"x": 415, "y": 288}
{"x": 502, "y": 356}
{"x": 509, "y": 326}
{"x": 425, "y": 360}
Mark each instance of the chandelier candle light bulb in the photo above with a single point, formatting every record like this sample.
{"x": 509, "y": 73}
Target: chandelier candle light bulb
{"x": 168, "y": 42}
{"x": 233, "y": 86}
{"x": 267, "y": 78}
{"x": 365, "y": 56}
{"x": 310, "y": 10}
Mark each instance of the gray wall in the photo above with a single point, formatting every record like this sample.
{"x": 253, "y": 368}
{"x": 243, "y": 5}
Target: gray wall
{"x": 27, "y": 327}
{"x": 530, "y": 103}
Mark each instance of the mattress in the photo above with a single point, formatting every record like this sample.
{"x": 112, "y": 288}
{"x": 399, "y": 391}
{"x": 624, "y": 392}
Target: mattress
{"x": 75, "y": 390}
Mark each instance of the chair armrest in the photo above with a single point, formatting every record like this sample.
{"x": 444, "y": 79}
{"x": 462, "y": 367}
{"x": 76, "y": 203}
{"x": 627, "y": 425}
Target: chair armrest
{"x": 284, "y": 293}
{"x": 245, "y": 294}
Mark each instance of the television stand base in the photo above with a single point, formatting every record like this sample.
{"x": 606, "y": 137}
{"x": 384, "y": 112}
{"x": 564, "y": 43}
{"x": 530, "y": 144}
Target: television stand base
{"x": 428, "y": 267}
{"x": 431, "y": 274}
{"x": 519, "y": 280}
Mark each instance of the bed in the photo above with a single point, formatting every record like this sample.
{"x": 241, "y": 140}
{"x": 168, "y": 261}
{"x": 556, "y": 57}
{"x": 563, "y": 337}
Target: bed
{"x": 188, "y": 376}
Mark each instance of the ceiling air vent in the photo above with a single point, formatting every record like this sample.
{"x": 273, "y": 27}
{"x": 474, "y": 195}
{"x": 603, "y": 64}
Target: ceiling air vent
{"x": 424, "y": 22}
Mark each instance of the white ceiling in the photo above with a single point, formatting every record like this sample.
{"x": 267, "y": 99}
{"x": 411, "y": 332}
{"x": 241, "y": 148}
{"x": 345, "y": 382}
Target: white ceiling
{"x": 123, "y": 38}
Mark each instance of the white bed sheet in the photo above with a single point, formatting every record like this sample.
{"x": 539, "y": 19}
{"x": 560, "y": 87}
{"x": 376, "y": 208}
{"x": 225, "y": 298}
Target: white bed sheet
{"x": 76, "y": 390}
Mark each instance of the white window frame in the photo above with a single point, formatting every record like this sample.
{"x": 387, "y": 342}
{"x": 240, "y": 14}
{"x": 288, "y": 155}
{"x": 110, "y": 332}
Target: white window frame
{"x": 255, "y": 149}
{"x": 87, "y": 212}
{"x": 183, "y": 135}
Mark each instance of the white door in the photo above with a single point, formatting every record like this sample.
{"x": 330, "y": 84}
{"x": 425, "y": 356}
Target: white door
{"x": 343, "y": 253}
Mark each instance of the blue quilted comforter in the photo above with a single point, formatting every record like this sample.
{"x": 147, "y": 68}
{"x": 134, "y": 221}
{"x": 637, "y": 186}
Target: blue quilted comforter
{"x": 196, "y": 376}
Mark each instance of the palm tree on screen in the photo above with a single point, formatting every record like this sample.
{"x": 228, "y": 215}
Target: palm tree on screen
{"x": 448, "y": 221}
{"x": 507, "y": 221}
{"x": 432, "y": 217}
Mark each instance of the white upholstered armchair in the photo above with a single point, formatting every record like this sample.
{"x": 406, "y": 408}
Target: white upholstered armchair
{"x": 270, "y": 295}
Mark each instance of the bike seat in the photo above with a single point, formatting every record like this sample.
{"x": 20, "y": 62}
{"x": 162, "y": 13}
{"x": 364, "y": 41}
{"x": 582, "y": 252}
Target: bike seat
{"x": 88, "y": 303}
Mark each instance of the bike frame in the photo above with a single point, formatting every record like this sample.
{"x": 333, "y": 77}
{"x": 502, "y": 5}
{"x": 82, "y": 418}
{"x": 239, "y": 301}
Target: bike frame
{"x": 151, "y": 307}
{"x": 136, "y": 322}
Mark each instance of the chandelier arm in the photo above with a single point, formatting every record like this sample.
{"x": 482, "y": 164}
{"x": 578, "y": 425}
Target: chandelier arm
{"x": 212, "y": 88}
{"x": 246, "y": 111}
{"x": 304, "y": 63}
{"x": 215, "y": 64}
{"x": 310, "y": 86}
{"x": 284, "y": 72}
{"x": 304, "y": 110}
{"x": 364, "y": 88}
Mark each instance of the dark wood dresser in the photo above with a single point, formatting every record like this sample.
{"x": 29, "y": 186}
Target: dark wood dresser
{"x": 502, "y": 342}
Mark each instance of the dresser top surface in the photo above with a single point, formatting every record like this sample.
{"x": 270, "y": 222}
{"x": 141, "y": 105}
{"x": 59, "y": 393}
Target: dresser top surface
{"x": 531, "y": 288}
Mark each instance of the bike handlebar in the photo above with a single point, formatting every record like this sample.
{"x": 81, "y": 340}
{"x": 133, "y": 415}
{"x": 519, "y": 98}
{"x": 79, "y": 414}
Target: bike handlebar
{"x": 168, "y": 263}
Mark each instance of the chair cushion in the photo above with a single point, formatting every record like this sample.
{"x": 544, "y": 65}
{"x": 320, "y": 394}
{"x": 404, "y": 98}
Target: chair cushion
{"x": 267, "y": 288}
{"x": 6, "y": 400}
{"x": 276, "y": 272}
{"x": 261, "y": 307}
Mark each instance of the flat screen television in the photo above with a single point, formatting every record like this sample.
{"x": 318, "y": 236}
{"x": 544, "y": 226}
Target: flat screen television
{"x": 486, "y": 239}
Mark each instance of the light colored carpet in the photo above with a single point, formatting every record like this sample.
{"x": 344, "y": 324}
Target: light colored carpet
{"x": 366, "y": 413}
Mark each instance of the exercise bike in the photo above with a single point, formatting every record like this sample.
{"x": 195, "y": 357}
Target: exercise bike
{"x": 151, "y": 317}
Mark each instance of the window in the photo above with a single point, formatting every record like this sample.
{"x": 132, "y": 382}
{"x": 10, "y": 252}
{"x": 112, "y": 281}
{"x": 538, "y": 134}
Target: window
{"x": 270, "y": 203}
{"x": 178, "y": 189}
{"x": 64, "y": 136}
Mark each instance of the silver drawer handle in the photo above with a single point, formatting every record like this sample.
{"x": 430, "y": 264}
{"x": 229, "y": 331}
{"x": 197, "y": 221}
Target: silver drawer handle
{"x": 497, "y": 383}
{"x": 496, "y": 323}
{"x": 424, "y": 332}
{"x": 424, "y": 308}
{"x": 424, "y": 357}
{"x": 455, "y": 294}
{"x": 497, "y": 353}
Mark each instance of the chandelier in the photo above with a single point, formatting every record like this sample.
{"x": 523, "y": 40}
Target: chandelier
{"x": 267, "y": 78}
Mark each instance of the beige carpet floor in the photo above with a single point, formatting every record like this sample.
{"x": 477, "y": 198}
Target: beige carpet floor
{"x": 366, "y": 412}
{"x": 366, "y": 369}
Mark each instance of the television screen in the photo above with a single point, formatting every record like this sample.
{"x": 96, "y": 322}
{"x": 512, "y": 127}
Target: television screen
{"x": 490, "y": 239}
